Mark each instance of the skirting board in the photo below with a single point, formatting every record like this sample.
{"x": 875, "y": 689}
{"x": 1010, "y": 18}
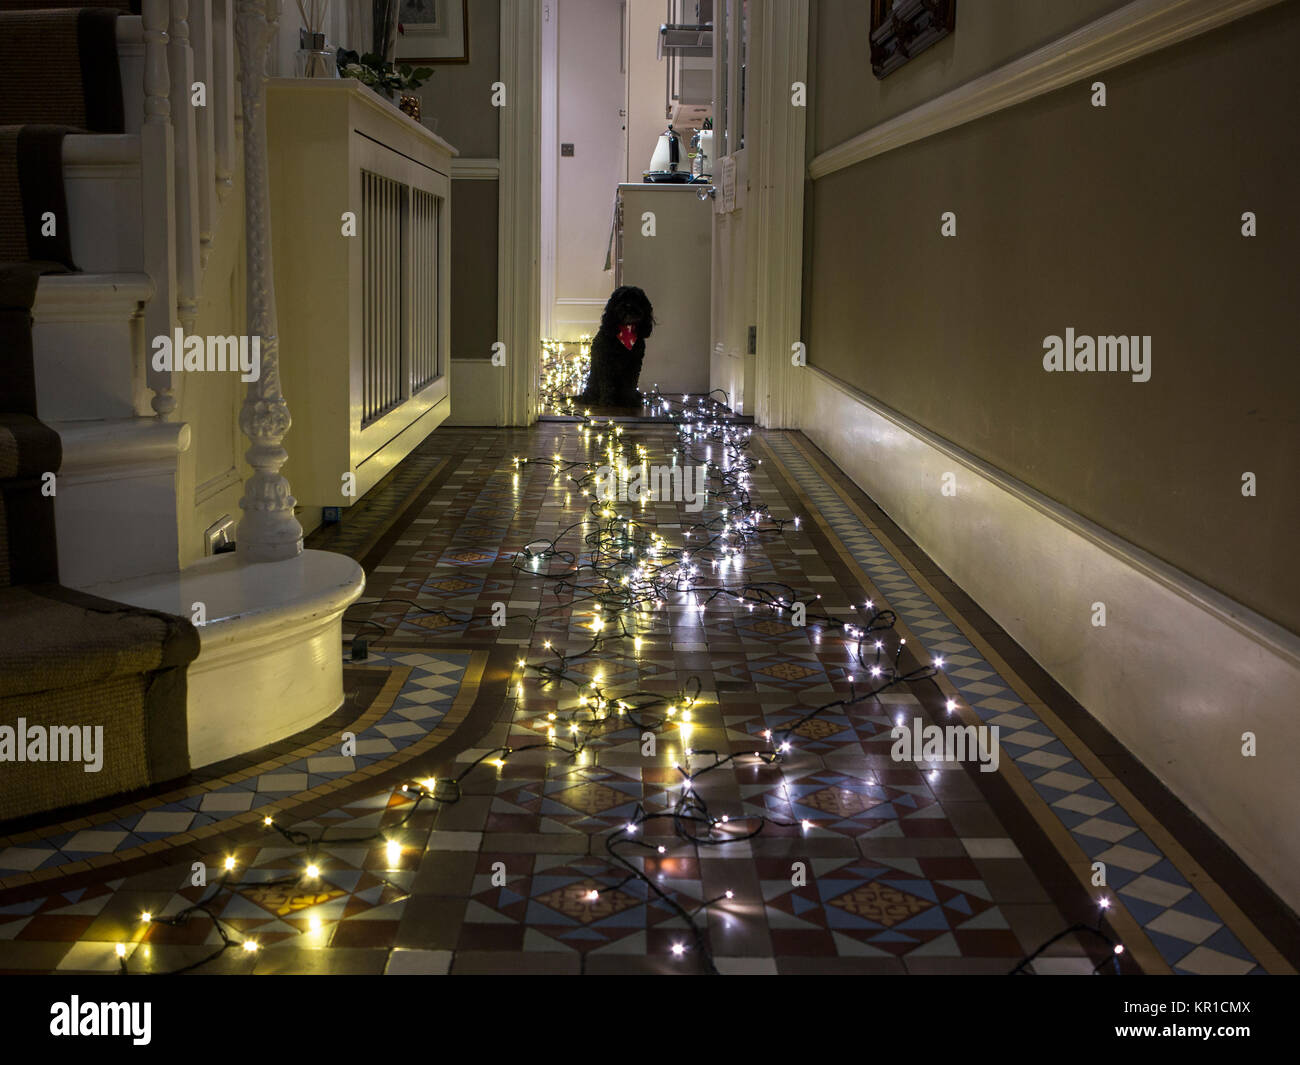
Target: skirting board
{"x": 477, "y": 392}
{"x": 1178, "y": 673}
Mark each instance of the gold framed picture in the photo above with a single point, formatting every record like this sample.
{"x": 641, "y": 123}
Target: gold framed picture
{"x": 433, "y": 31}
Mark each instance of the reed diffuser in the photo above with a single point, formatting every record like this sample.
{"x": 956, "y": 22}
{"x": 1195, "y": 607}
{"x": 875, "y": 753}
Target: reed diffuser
{"x": 314, "y": 60}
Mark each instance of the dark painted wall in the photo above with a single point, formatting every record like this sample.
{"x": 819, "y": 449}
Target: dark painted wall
{"x": 473, "y": 269}
{"x": 459, "y": 96}
{"x": 1125, "y": 219}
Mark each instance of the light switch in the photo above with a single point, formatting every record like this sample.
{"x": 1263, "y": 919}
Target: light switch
{"x": 566, "y": 149}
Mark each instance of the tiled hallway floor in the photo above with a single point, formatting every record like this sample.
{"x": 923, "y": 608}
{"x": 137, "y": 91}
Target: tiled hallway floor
{"x": 901, "y": 868}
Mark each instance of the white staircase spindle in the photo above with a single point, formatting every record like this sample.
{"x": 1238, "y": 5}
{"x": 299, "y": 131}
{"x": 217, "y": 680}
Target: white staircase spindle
{"x": 201, "y": 30}
{"x": 269, "y": 531}
{"x": 158, "y": 222}
{"x": 222, "y": 92}
{"x": 181, "y": 64}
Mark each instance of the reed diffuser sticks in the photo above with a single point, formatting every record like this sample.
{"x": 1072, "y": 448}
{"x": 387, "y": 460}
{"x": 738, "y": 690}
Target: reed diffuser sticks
{"x": 317, "y": 63}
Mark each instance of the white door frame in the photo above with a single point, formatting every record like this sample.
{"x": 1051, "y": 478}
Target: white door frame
{"x": 776, "y": 131}
{"x": 550, "y": 157}
{"x": 519, "y": 211}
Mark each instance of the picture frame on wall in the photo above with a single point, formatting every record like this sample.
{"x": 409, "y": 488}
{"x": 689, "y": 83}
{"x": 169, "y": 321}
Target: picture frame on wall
{"x": 433, "y": 31}
{"x": 903, "y": 29}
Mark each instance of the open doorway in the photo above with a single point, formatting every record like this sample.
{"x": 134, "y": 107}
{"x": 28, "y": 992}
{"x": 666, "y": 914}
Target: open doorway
{"x": 624, "y": 201}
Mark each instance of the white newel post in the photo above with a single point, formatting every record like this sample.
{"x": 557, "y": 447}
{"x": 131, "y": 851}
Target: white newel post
{"x": 269, "y": 531}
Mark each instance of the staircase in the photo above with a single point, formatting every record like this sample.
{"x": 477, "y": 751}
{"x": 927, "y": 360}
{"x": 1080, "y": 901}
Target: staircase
{"x": 153, "y": 201}
{"x": 92, "y": 692}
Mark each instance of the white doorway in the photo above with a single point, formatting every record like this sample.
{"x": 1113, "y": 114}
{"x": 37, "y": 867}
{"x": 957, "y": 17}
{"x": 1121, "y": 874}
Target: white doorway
{"x": 584, "y": 157}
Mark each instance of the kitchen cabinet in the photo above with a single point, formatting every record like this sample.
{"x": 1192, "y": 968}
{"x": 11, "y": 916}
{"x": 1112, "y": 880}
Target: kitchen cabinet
{"x": 663, "y": 245}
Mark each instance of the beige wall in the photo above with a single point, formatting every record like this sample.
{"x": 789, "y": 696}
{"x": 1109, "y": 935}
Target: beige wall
{"x": 1117, "y": 220}
{"x": 646, "y": 81}
{"x": 590, "y": 96}
{"x": 211, "y": 472}
{"x": 459, "y": 97}
{"x": 846, "y": 98}
{"x": 473, "y": 269}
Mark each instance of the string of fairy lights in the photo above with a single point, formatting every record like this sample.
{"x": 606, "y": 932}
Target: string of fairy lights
{"x": 613, "y": 573}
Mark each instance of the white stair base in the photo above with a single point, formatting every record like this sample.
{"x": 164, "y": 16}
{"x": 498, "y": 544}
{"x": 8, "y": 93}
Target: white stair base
{"x": 115, "y": 504}
{"x": 87, "y": 344}
{"x": 271, "y": 661}
{"x": 101, "y": 176}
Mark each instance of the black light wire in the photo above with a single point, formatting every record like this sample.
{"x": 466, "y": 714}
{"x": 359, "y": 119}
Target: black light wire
{"x": 607, "y": 546}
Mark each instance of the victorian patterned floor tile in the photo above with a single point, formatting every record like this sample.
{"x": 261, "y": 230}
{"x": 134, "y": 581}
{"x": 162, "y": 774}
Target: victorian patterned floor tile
{"x": 558, "y": 862}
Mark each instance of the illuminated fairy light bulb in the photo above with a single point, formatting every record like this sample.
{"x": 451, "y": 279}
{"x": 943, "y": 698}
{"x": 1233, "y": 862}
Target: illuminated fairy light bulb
{"x": 679, "y": 949}
{"x": 938, "y": 662}
{"x": 146, "y": 917}
{"x": 631, "y": 829}
{"x": 429, "y": 783}
{"x": 394, "y": 850}
{"x": 313, "y": 871}
{"x": 1119, "y": 948}
{"x": 120, "y": 950}
{"x": 267, "y": 821}
{"x": 229, "y": 862}
{"x": 952, "y": 705}
{"x": 730, "y": 894}
{"x": 662, "y": 849}
{"x": 314, "y": 925}
{"x": 807, "y": 825}
{"x": 250, "y": 946}
{"x": 593, "y": 895}
{"x": 1104, "y": 902}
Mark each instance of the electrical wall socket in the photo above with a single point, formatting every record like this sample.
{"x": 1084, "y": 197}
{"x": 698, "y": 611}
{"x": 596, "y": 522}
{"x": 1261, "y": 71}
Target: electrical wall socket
{"x": 219, "y": 537}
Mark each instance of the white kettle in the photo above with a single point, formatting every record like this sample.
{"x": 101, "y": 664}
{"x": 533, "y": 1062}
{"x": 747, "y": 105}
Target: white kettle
{"x": 667, "y": 153}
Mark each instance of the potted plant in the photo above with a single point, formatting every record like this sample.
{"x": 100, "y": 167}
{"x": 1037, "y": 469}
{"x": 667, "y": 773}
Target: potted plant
{"x": 384, "y": 77}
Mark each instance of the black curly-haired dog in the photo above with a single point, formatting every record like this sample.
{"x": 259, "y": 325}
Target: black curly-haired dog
{"x": 618, "y": 349}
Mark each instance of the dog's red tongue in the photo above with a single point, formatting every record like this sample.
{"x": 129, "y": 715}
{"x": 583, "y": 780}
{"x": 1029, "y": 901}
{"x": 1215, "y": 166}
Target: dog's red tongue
{"x": 627, "y": 336}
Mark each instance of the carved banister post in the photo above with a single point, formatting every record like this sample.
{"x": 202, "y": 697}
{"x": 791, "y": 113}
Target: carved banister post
{"x": 159, "y": 216}
{"x": 269, "y": 531}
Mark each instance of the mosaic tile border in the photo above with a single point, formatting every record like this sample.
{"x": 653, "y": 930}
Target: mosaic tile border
{"x": 1181, "y": 924}
{"x": 427, "y": 694}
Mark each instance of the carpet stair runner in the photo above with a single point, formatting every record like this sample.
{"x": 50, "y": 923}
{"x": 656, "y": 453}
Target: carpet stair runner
{"x": 61, "y": 76}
